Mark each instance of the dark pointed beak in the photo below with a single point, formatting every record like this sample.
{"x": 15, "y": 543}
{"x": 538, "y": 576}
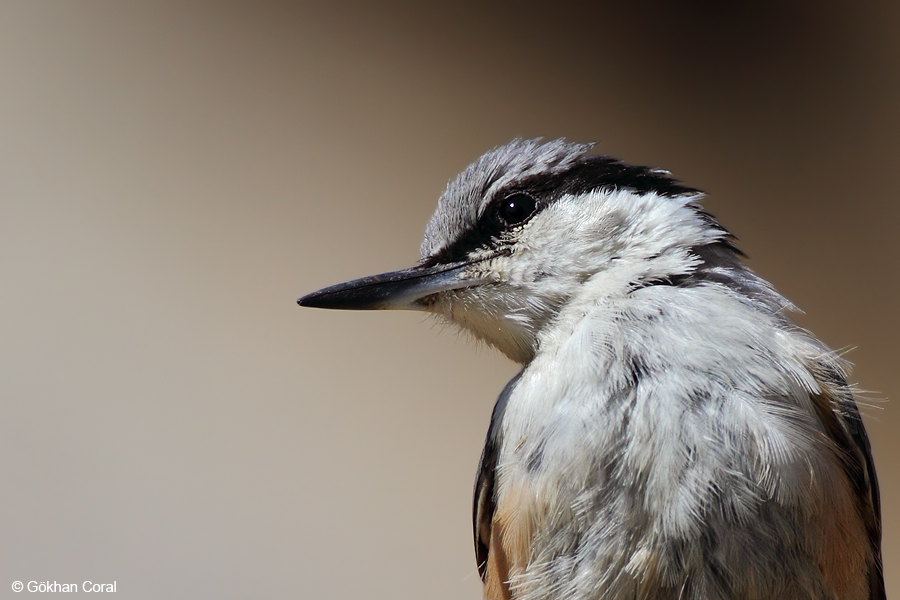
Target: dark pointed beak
{"x": 395, "y": 290}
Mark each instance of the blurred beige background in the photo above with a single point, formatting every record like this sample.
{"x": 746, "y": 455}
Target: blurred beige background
{"x": 175, "y": 175}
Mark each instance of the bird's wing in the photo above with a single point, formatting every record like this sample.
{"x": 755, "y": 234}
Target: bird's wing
{"x": 485, "y": 501}
{"x": 840, "y": 416}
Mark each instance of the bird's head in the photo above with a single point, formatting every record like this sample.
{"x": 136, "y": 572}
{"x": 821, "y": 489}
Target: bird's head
{"x": 529, "y": 228}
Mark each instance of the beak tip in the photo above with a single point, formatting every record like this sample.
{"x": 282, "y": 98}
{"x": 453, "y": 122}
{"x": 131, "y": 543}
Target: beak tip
{"x": 309, "y": 300}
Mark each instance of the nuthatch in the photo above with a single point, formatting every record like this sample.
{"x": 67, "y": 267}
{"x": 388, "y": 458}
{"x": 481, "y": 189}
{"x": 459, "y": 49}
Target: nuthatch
{"x": 672, "y": 434}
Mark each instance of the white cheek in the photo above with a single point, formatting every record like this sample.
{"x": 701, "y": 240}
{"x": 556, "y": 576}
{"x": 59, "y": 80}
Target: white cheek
{"x": 562, "y": 242}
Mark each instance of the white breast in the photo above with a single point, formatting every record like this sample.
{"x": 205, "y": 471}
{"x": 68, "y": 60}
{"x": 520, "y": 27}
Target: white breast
{"x": 649, "y": 421}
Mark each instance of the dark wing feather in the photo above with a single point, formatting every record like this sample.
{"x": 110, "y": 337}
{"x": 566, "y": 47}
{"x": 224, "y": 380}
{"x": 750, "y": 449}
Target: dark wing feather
{"x": 869, "y": 501}
{"x": 839, "y": 414}
{"x": 485, "y": 500}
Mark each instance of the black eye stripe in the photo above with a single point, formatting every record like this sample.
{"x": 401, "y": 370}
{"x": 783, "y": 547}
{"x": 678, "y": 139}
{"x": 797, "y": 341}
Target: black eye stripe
{"x": 588, "y": 174}
{"x": 504, "y": 213}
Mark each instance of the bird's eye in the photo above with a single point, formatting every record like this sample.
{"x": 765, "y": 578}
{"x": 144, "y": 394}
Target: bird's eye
{"x": 517, "y": 208}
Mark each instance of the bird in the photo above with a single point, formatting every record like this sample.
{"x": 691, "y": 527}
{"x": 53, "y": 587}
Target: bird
{"x": 672, "y": 434}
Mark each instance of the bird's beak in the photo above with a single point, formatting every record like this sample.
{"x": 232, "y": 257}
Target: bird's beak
{"x": 395, "y": 290}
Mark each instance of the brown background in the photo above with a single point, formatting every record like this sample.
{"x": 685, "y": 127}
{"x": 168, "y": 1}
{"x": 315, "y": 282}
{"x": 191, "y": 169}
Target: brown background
{"x": 175, "y": 175}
